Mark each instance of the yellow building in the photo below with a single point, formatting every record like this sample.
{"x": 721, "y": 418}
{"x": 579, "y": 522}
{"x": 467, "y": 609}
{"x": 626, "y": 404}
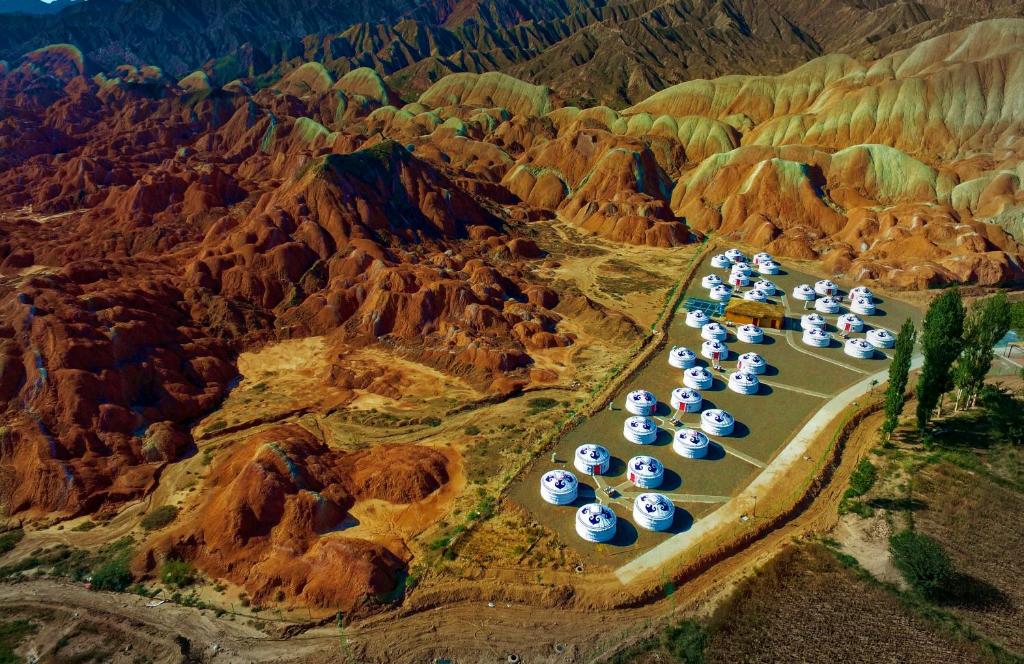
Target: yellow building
{"x": 762, "y": 314}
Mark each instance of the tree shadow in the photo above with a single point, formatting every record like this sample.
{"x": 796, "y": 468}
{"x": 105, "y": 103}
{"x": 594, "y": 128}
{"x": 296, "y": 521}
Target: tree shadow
{"x": 898, "y": 504}
{"x": 970, "y": 592}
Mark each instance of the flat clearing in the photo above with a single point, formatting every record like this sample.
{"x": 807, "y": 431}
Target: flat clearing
{"x": 799, "y": 381}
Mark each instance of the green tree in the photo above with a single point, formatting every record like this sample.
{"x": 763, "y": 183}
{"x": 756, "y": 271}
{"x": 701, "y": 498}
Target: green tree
{"x": 899, "y": 372}
{"x": 923, "y": 563}
{"x": 941, "y": 341}
{"x": 987, "y": 323}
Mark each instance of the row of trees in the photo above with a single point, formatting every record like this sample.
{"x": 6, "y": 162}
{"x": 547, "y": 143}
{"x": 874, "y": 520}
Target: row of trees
{"x": 958, "y": 348}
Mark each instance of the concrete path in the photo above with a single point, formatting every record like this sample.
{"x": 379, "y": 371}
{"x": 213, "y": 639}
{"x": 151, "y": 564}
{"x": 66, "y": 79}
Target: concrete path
{"x": 792, "y": 454}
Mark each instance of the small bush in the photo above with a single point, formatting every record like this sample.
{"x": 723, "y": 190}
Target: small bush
{"x": 432, "y": 421}
{"x": 923, "y": 563}
{"x": 541, "y": 403}
{"x": 862, "y": 478}
{"x": 10, "y": 539}
{"x": 686, "y": 642}
{"x": 112, "y": 575}
{"x": 472, "y": 430}
{"x": 160, "y": 517}
{"x": 177, "y": 573}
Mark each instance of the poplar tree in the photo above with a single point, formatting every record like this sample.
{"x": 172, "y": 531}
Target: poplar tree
{"x": 941, "y": 342}
{"x": 899, "y": 372}
{"x": 986, "y": 324}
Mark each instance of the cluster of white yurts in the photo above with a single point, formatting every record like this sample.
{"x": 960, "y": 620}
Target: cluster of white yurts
{"x": 596, "y": 522}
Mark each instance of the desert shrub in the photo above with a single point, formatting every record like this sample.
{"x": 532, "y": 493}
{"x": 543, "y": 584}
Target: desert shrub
{"x": 159, "y": 517}
{"x": 10, "y": 539}
{"x": 924, "y": 563}
{"x": 541, "y": 403}
{"x": 11, "y": 634}
{"x": 110, "y": 567}
{"x": 686, "y": 642}
{"x": 472, "y": 430}
{"x": 177, "y": 573}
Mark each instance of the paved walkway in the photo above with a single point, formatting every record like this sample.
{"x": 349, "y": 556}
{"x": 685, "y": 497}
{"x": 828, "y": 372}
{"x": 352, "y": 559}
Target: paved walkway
{"x": 793, "y": 453}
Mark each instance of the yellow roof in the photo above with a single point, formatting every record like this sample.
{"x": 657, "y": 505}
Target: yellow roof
{"x": 755, "y": 309}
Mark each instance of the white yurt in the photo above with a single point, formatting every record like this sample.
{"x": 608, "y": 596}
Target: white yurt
{"x": 738, "y": 279}
{"x": 714, "y": 331}
{"x": 720, "y": 293}
{"x": 686, "y": 400}
{"x": 742, "y": 268}
{"x": 742, "y": 382}
{"x": 863, "y": 306}
{"x": 761, "y": 257}
{"x": 880, "y": 338}
{"x": 641, "y": 402}
{"x": 681, "y": 357}
{"x": 756, "y": 295}
{"x": 812, "y": 322}
{"x": 766, "y": 285}
{"x": 592, "y": 459}
{"x": 640, "y": 430}
{"x": 721, "y": 261}
{"x": 859, "y": 348}
{"x": 595, "y": 522}
{"x": 645, "y": 472}
{"x": 817, "y": 337}
{"x": 653, "y": 511}
{"x": 690, "y": 443}
{"x": 710, "y": 281}
{"x": 826, "y": 287}
{"x": 750, "y": 333}
{"x": 751, "y": 363}
{"x": 735, "y": 255}
{"x": 849, "y": 323}
{"x": 862, "y": 291}
{"x": 714, "y": 349}
{"x": 804, "y": 292}
{"x": 696, "y": 318}
{"x": 769, "y": 268}
{"x": 559, "y": 487}
{"x": 717, "y": 422}
{"x": 827, "y": 305}
{"x": 697, "y": 378}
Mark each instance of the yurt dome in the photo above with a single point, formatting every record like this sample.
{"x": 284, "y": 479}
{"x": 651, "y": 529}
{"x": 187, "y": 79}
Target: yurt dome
{"x": 750, "y": 334}
{"x": 592, "y": 459}
{"x": 690, "y": 443}
{"x": 804, "y": 292}
{"x": 559, "y": 487}
{"x": 696, "y": 318}
{"x": 641, "y": 402}
{"x": 862, "y": 291}
{"x": 710, "y": 281}
{"x": 721, "y": 261}
{"x": 713, "y": 347}
{"x": 653, "y": 511}
{"x": 849, "y": 323}
{"x": 697, "y": 378}
{"x": 827, "y": 305}
{"x": 812, "y": 321}
{"x": 880, "y": 338}
{"x": 859, "y": 348}
{"x": 681, "y": 357}
{"x": 751, "y": 363}
{"x": 595, "y": 522}
{"x": 717, "y": 422}
{"x": 735, "y": 255}
{"x": 755, "y": 295}
{"x": 640, "y": 430}
{"x": 687, "y": 400}
{"x": 738, "y": 280}
{"x": 720, "y": 293}
{"x": 742, "y": 268}
{"x": 766, "y": 285}
{"x": 826, "y": 287}
{"x": 817, "y": 337}
{"x": 769, "y": 268}
{"x": 761, "y": 257}
{"x": 714, "y": 331}
{"x": 742, "y": 382}
{"x": 863, "y": 306}
{"x": 645, "y": 472}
